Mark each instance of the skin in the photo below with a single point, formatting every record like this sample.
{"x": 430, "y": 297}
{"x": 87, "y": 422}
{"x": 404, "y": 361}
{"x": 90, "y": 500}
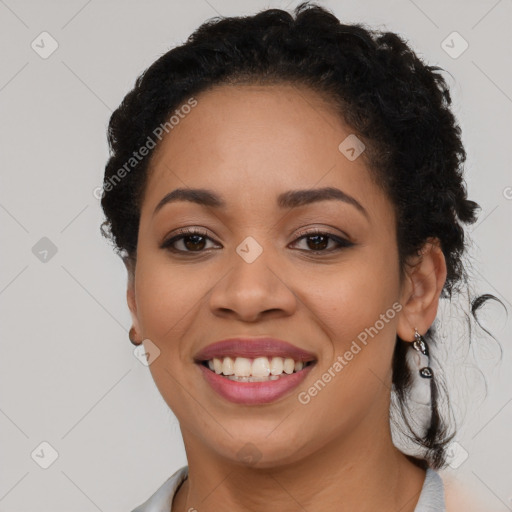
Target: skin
{"x": 250, "y": 143}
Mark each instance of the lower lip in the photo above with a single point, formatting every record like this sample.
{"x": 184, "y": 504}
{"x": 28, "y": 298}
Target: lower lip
{"x": 250, "y": 393}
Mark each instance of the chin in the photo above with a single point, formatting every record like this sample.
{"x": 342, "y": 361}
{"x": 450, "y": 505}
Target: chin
{"x": 262, "y": 450}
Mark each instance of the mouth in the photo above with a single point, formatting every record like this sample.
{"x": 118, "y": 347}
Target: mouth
{"x": 254, "y": 370}
{"x": 258, "y": 369}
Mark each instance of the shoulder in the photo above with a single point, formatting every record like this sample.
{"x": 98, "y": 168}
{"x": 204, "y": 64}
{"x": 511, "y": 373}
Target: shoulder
{"x": 460, "y": 498}
{"x": 161, "y": 499}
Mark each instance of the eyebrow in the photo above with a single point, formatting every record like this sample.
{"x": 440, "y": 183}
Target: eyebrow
{"x": 289, "y": 199}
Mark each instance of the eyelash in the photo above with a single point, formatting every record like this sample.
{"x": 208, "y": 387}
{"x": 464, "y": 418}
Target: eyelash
{"x": 184, "y": 232}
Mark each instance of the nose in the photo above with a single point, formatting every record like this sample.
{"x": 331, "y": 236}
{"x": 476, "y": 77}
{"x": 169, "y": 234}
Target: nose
{"x": 250, "y": 291}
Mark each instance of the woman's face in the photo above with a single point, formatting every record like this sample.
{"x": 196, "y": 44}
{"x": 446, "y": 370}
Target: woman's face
{"x": 252, "y": 272}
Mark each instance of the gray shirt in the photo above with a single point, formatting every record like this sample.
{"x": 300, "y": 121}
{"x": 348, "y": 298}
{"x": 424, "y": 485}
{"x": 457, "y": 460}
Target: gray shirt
{"x": 431, "y": 497}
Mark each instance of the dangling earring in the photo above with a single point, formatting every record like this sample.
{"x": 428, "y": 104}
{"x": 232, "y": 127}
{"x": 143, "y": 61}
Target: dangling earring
{"x": 420, "y": 393}
{"x": 131, "y": 335}
{"x": 420, "y": 345}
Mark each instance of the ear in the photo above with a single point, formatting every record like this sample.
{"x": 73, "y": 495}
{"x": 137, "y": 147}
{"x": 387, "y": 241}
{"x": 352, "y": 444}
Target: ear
{"x": 424, "y": 281}
{"x": 130, "y": 294}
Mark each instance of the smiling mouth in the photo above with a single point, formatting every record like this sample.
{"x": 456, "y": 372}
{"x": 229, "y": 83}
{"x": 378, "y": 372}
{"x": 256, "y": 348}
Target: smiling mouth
{"x": 257, "y": 369}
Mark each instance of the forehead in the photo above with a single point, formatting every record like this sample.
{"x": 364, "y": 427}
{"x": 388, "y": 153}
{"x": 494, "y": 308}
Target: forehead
{"x": 250, "y": 139}
{"x": 238, "y": 120}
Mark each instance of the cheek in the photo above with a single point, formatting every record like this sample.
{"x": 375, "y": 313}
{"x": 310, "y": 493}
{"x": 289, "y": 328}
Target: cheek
{"x": 167, "y": 296}
{"x": 353, "y": 295}
{"x": 358, "y": 310}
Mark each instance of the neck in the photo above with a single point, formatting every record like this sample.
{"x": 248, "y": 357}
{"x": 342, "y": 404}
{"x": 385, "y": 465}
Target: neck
{"x": 339, "y": 476}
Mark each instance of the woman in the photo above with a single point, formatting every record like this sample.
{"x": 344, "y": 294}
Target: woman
{"x": 287, "y": 196}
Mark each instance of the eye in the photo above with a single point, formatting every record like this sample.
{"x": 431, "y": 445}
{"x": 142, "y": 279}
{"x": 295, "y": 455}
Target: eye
{"x": 195, "y": 240}
{"x": 319, "y": 241}
{"x": 192, "y": 240}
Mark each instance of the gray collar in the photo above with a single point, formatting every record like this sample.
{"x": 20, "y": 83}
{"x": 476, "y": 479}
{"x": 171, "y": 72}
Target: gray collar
{"x": 431, "y": 497}
{"x": 432, "y": 494}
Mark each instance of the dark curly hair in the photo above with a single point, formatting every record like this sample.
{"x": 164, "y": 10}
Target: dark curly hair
{"x": 396, "y": 104}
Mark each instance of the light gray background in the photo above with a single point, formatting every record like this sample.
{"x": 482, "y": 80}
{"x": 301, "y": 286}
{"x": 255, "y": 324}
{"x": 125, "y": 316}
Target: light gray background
{"x": 68, "y": 374}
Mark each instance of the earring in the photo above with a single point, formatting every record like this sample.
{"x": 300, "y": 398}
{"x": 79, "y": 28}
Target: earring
{"x": 131, "y": 335}
{"x": 420, "y": 392}
{"x": 420, "y": 345}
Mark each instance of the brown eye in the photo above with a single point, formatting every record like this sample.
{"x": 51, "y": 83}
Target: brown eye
{"x": 318, "y": 241}
{"x": 194, "y": 242}
{"x": 187, "y": 241}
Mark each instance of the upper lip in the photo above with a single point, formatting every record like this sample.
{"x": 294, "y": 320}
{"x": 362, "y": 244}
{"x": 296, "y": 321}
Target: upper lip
{"x": 253, "y": 347}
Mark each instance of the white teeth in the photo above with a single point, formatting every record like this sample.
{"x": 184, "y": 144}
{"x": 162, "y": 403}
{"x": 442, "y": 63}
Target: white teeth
{"x": 253, "y": 379}
{"x": 288, "y": 365}
{"x": 260, "y": 367}
{"x": 242, "y": 367}
{"x": 228, "y": 366}
{"x": 254, "y": 370}
{"x": 276, "y": 366}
